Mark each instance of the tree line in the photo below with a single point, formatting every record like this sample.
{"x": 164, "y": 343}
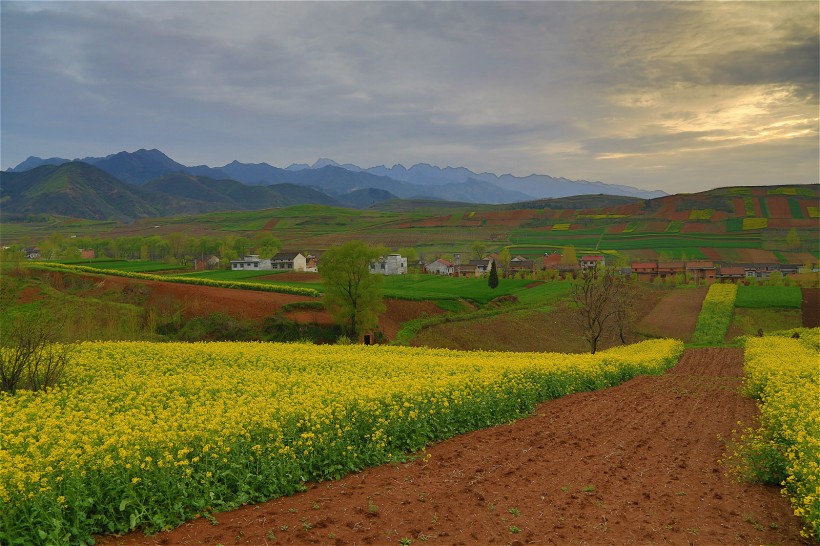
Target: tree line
{"x": 176, "y": 248}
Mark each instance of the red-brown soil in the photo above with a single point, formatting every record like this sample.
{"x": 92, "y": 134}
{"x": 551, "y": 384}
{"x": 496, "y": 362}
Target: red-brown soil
{"x": 675, "y": 315}
{"x": 811, "y": 307}
{"x": 30, "y": 294}
{"x": 693, "y": 227}
{"x": 760, "y": 256}
{"x": 293, "y": 276}
{"x": 200, "y": 301}
{"x": 634, "y": 464}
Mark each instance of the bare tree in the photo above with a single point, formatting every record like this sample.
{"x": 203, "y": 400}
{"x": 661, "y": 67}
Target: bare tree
{"x": 602, "y": 299}
{"x": 623, "y": 301}
{"x": 30, "y": 357}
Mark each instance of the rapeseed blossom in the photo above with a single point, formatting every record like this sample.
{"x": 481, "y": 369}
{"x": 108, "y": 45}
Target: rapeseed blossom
{"x": 148, "y": 434}
{"x": 715, "y": 314}
{"x": 784, "y": 374}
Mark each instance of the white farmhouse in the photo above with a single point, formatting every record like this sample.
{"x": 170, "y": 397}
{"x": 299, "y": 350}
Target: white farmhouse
{"x": 292, "y": 261}
{"x": 440, "y": 267}
{"x": 251, "y": 262}
{"x": 392, "y": 264}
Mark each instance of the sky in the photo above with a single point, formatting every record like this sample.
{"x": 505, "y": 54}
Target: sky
{"x": 677, "y": 96}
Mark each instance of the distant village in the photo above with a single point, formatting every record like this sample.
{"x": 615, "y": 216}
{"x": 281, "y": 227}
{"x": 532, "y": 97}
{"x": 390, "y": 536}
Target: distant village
{"x": 553, "y": 264}
{"x": 697, "y": 271}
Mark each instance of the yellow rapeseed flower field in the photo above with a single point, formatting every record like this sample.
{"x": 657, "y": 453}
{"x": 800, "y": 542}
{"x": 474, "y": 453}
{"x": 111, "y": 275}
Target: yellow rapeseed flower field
{"x": 784, "y": 374}
{"x": 149, "y": 434}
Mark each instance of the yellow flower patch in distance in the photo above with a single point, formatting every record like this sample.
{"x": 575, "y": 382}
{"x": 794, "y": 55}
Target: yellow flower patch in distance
{"x": 215, "y": 425}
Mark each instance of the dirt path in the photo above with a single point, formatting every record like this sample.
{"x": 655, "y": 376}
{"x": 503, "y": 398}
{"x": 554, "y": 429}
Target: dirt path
{"x": 634, "y": 464}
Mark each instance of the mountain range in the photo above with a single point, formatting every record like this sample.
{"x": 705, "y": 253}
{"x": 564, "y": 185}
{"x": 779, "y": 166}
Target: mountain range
{"x": 129, "y": 185}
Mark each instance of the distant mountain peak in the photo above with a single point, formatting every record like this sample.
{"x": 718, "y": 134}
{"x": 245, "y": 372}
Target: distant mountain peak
{"x": 324, "y": 162}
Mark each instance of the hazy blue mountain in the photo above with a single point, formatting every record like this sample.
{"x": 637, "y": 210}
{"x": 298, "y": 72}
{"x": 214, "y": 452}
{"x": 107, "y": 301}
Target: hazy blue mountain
{"x": 75, "y": 189}
{"x": 255, "y": 173}
{"x": 419, "y": 181}
{"x": 298, "y": 195}
{"x": 362, "y": 199}
{"x": 81, "y": 190}
{"x": 210, "y": 172}
{"x": 32, "y": 162}
{"x": 475, "y": 191}
{"x": 138, "y": 167}
{"x": 534, "y": 186}
{"x": 233, "y": 195}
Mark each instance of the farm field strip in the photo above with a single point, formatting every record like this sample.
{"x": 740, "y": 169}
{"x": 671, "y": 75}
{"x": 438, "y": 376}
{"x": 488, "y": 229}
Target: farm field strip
{"x": 783, "y": 374}
{"x": 125, "y": 265}
{"x": 148, "y": 435}
{"x": 769, "y": 296}
{"x": 715, "y": 315}
{"x": 634, "y": 464}
{"x": 262, "y": 286}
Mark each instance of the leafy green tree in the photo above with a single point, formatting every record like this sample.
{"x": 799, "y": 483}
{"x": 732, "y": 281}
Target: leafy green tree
{"x": 176, "y": 241}
{"x": 351, "y": 293}
{"x": 479, "y": 250}
{"x": 410, "y": 253}
{"x": 267, "y": 245}
{"x": 568, "y": 256}
{"x": 493, "y": 282}
{"x": 504, "y": 259}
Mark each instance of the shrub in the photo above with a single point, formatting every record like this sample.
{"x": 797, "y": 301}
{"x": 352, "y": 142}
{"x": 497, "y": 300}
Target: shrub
{"x": 30, "y": 357}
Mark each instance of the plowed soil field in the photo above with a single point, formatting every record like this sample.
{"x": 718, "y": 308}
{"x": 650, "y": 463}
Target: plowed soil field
{"x": 633, "y": 464}
{"x": 675, "y": 315}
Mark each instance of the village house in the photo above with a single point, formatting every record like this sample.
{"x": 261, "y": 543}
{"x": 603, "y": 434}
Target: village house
{"x": 250, "y": 262}
{"x": 551, "y": 261}
{"x": 292, "y": 261}
{"x": 467, "y": 270}
{"x": 702, "y": 272}
{"x": 670, "y": 269}
{"x": 731, "y": 273}
{"x": 87, "y": 254}
{"x": 439, "y": 267}
{"x": 32, "y": 253}
{"x": 594, "y": 261}
{"x": 521, "y": 265}
{"x": 645, "y": 271}
{"x": 482, "y": 266}
{"x": 311, "y": 263}
{"x": 761, "y": 270}
{"x": 392, "y": 264}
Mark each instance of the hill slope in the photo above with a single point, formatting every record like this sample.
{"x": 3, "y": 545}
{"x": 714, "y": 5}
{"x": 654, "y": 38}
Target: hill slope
{"x": 75, "y": 189}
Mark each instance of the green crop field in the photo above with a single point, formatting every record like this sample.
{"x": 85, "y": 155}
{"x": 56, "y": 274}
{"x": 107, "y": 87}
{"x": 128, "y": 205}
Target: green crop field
{"x": 141, "y": 266}
{"x": 769, "y": 296}
{"x": 227, "y": 275}
{"x": 434, "y": 287}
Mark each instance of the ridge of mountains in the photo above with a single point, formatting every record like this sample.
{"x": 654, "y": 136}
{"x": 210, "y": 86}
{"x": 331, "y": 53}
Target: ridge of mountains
{"x": 147, "y": 183}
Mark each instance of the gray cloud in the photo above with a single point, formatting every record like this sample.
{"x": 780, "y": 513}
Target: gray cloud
{"x": 614, "y": 91}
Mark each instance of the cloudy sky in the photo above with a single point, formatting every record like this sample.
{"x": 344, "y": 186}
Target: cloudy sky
{"x": 657, "y": 95}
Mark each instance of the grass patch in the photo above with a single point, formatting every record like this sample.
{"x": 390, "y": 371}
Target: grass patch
{"x": 747, "y": 322}
{"x": 769, "y": 296}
